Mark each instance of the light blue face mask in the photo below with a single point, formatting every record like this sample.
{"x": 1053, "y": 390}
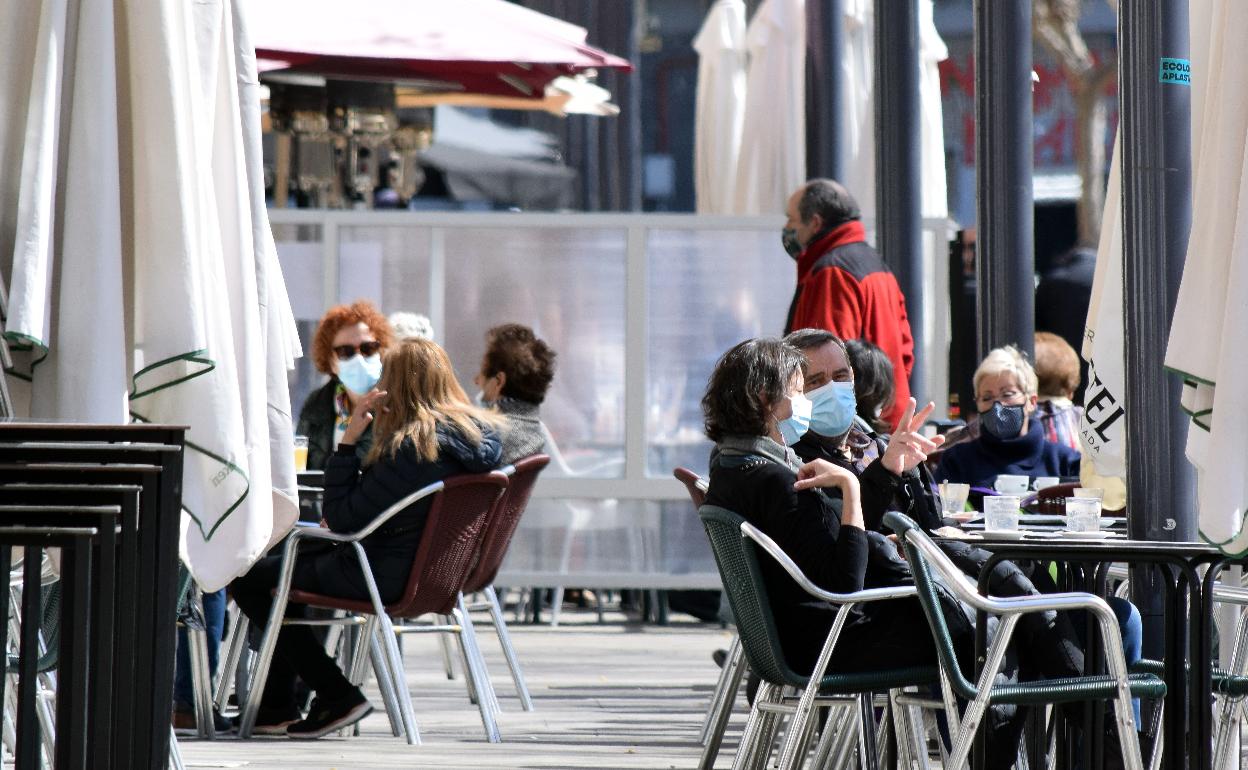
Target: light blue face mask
{"x": 360, "y": 374}
{"x": 793, "y": 427}
{"x": 833, "y": 407}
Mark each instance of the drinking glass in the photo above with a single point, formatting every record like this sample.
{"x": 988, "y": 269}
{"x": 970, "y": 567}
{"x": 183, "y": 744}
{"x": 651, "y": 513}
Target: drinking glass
{"x": 301, "y": 454}
{"x": 1092, "y": 493}
{"x": 1083, "y": 514}
{"x": 953, "y": 497}
{"x": 1001, "y": 513}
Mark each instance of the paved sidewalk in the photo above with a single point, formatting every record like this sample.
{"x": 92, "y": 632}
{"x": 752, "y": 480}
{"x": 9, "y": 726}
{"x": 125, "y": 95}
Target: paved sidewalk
{"x": 615, "y": 695}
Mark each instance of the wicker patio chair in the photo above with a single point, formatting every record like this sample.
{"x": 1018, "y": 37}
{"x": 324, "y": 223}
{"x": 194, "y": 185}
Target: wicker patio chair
{"x": 450, "y": 543}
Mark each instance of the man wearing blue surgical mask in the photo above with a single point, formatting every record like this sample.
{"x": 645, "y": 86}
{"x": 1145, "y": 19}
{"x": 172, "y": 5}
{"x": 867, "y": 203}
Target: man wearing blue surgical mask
{"x": 890, "y": 469}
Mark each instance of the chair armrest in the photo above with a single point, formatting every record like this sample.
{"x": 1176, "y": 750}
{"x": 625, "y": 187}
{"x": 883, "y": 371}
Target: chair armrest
{"x": 776, "y": 552}
{"x": 381, "y": 518}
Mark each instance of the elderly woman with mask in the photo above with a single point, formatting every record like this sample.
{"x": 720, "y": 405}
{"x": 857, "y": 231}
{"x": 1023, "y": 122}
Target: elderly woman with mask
{"x": 347, "y": 346}
{"x": 1010, "y": 441}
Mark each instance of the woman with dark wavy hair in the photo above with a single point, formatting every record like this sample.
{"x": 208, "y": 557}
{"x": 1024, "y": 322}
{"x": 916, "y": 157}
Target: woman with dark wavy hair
{"x": 515, "y": 374}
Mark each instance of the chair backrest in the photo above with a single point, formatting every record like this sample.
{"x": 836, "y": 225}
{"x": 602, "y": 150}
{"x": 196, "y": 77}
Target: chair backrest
{"x": 49, "y": 629}
{"x": 908, "y": 531}
{"x": 502, "y": 523}
{"x": 450, "y": 543}
{"x": 742, "y": 577}
{"x": 695, "y": 485}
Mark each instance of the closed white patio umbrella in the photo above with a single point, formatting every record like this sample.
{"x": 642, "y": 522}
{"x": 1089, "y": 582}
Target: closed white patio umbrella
{"x": 720, "y": 109}
{"x": 858, "y": 79}
{"x": 1211, "y": 315}
{"x": 141, "y": 261}
{"x": 1103, "y": 426}
{"x": 773, "y": 140}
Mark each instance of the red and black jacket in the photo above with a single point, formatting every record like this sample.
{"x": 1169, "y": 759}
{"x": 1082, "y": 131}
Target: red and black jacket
{"x": 844, "y": 287}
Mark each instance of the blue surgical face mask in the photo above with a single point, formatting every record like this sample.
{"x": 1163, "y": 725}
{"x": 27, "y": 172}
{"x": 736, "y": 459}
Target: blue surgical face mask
{"x": 360, "y": 374}
{"x": 833, "y": 407}
{"x": 793, "y": 427}
{"x": 1003, "y": 422}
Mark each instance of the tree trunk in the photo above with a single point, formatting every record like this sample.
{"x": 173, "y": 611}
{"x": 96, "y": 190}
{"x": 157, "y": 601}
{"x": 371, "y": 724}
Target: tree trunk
{"x": 1091, "y": 118}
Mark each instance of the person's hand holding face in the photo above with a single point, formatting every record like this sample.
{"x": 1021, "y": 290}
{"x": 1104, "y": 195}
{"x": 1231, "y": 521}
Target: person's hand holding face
{"x": 362, "y": 415}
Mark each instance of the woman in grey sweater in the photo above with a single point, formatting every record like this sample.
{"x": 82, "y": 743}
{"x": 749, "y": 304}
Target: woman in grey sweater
{"x": 516, "y": 371}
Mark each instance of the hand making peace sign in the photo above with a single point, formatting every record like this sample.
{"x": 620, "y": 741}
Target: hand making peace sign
{"x": 907, "y": 447}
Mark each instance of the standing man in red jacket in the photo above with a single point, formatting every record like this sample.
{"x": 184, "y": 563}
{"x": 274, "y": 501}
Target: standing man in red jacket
{"x": 842, "y": 284}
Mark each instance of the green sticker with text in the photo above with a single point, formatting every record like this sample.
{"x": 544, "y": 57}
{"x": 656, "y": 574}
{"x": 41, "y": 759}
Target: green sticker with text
{"x": 1176, "y": 71}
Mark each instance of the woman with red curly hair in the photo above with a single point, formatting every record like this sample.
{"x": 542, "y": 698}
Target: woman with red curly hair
{"x": 347, "y": 346}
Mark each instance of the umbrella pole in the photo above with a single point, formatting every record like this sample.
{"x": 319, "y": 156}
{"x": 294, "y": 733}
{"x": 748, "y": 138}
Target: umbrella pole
{"x": 1157, "y": 210}
{"x": 898, "y": 152}
{"x": 1004, "y": 205}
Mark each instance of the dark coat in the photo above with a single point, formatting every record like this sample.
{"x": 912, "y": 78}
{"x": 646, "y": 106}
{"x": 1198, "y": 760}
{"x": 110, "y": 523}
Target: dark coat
{"x": 980, "y": 461}
{"x": 354, "y": 498}
{"x": 758, "y": 485}
{"x": 316, "y": 421}
{"x": 882, "y": 491}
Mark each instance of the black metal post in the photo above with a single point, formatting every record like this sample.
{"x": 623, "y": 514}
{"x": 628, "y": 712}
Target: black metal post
{"x": 898, "y": 148}
{"x": 825, "y": 128}
{"x": 1157, "y": 209}
{"x": 1004, "y": 197}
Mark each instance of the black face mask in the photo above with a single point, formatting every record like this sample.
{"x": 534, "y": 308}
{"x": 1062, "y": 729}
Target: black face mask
{"x": 788, "y": 239}
{"x": 1003, "y": 422}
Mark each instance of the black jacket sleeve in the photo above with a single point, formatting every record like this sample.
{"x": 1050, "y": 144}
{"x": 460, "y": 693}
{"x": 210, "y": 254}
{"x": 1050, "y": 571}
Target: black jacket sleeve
{"x": 807, "y": 525}
{"x": 353, "y": 499}
{"x": 880, "y": 491}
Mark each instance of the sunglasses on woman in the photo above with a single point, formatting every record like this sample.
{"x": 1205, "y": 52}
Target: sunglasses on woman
{"x": 366, "y": 349}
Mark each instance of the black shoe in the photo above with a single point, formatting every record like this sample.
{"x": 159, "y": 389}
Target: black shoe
{"x": 326, "y": 717}
{"x": 719, "y": 656}
{"x": 271, "y": 721}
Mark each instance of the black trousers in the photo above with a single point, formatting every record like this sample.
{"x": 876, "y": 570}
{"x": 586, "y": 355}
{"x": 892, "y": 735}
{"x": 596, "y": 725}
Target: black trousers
{"x": 299, "y": 653}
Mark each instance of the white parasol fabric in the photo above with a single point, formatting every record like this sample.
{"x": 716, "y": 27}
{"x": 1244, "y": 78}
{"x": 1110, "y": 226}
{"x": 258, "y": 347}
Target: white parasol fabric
{"x": 193, "y": 307}
{"x": 858, "y": 78}
{"x": 1103, "y": 427}
{"x": 1211, "y": 316}
{"x": 772, "y": 161}
{"x": 69, "y": 122}
{"x": 858, "y": 84}
{"x": 932, "y": 51}
{"x": 720, "y": 112}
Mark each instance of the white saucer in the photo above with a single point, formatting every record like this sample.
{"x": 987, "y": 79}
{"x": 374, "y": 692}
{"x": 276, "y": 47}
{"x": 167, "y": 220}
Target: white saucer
{"x": 1003, "y": 534}
{"x": 1101, "y": 535}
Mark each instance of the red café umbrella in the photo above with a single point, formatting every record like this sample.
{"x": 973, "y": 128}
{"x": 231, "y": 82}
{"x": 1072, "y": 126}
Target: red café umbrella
{"x": 478, "y": 46}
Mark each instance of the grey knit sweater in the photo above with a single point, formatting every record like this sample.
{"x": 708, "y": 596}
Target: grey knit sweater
{"x": 523, "y": 434}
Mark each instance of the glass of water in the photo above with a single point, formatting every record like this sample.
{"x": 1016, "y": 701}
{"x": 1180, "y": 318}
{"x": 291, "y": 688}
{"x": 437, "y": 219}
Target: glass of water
{"x": 1083, "y": 514}
{"x": 953, "y": 497}
{"x": 1001, "y": 513}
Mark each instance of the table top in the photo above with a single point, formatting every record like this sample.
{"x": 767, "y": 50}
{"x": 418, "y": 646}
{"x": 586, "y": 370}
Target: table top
{"x": 1095, "y": 548}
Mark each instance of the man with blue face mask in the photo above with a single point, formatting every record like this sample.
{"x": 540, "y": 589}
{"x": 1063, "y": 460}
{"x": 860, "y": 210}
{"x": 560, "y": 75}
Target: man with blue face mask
{"x": 890, "y": 470}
